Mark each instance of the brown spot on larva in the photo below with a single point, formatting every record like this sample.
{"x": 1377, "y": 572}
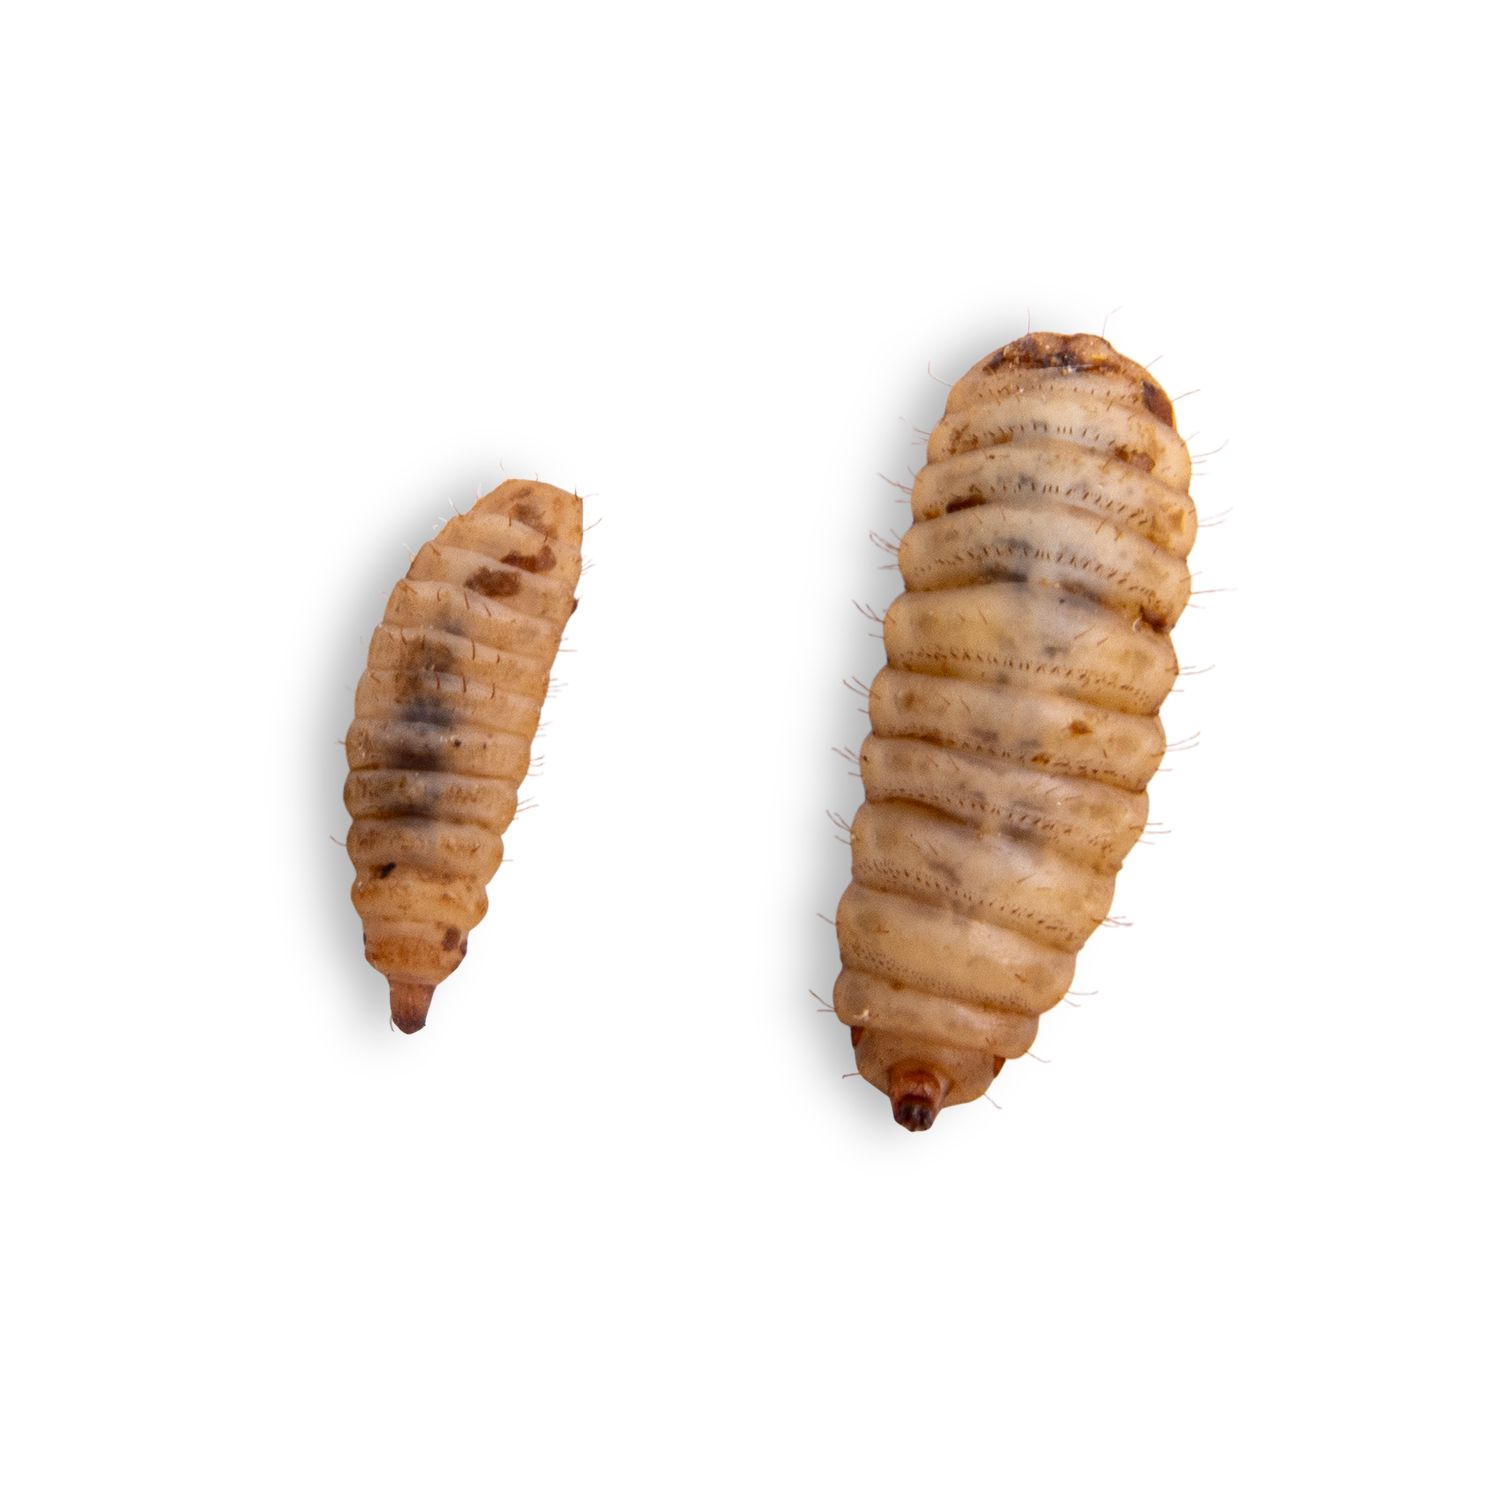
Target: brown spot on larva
{"x": 450, "y": 939}
{"x": 944, "y": 871}
{"x": 385, "y": 870}
{"x": 1031, "y": 353}
{"x": 543, "y": 562}
{"x": 998, "y": 574}
{"x": 1079, "y": 727}
{"x": 416, "y": 759}
{"x": 493, "y": 583}
{"x": 573, "y": 610}
{"x": 1157, "y": 403}
{"x": 1041, "y": 758}
{"x": 529, "y": 515}
{"x": 426, "y": 655}
{"x": 999, "y": 1063}
{"x": 1135, "y": 458}
{"x": 855, "y": 1033}
{"x": 957, "y": 505}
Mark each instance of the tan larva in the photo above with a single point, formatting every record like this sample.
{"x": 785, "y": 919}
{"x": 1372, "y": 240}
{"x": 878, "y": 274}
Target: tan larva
{"x": 1015, "y": 726}
{"x": 445, "y": 715}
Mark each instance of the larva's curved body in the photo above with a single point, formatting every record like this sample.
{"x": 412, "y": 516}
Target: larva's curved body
{"x": 444, "y": 718}
{"x": 1015, "y": 727}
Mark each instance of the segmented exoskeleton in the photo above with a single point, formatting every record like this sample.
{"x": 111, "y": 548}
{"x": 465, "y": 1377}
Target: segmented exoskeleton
{"x": 445, "y": 714}
{"x": 1015, "y": 726}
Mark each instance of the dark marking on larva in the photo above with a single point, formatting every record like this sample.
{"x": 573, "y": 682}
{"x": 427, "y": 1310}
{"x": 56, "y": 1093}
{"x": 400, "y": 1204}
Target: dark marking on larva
{"x": 957, "y": 505}
{"x": 493, "y": 583}
{"x": 999, "y": 574}
{"x": 944, "y": 871}
{"x": 1021, "y": 834}
{"x": 423, "y": 709}
{"x": 543, "y": 562}
{"x": 573, "y": 610}
{"x": 855, "y": 1032}
{"x": 385, "y": 870}
{"x": 1079, "y": 591}
{"x": 451, "y": 939}
{"x": 416, "y": 759}
{"x": 426, "y": 655}
{"x": 1079, "y": 727}
{"x": 1029, "y": 354}
{"x": 1134, "y": 457}
{"x": 1157, "y": 403}
{"x": 529, "y": 515}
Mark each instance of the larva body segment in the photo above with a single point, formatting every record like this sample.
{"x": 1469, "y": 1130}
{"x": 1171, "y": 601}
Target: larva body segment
{"x": 1015, "y": 726}
{"x": 445, "y": 714}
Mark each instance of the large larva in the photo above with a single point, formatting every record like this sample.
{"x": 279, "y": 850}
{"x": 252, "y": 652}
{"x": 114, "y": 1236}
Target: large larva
{"x": 444, "y": 718}
{"x": 1015, "y": 726}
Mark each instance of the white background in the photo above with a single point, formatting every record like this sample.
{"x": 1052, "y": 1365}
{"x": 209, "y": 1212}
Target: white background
{"x": 282, "y": 283}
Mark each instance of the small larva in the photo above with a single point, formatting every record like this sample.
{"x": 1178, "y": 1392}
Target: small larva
{"x": 444, "y": 718}
{"x": 1015, "y": 726}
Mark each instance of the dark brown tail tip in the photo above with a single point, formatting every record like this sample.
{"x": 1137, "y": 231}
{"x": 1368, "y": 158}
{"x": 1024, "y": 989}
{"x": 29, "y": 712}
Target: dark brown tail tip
{"x": 409, "y": 1003}
{"x": 914, "y": 1112}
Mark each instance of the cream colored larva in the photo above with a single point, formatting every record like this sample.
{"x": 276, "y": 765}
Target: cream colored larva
{"x": 1015, "y": 726}
{"x": 445, "y": 714}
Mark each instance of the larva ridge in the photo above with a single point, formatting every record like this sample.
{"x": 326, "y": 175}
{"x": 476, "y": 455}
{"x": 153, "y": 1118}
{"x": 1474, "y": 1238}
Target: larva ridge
{"x": 1015, "y": 726}
{"x": 445, "y": 714}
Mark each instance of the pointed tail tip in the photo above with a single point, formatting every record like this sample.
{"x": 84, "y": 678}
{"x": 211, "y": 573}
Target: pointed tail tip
{"x": 916, "y": 1097}
{"x": 912, "y": 1112}
{"x": 409, "y": 1003}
